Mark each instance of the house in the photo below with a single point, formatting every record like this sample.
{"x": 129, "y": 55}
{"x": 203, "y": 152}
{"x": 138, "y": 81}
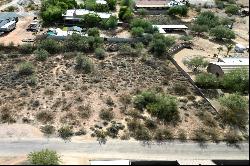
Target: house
{"x": 152, "y": 4}
{"x": 76, "y": 15}
{"x": 224, "y": 65}
{"x": 163, "y": 29}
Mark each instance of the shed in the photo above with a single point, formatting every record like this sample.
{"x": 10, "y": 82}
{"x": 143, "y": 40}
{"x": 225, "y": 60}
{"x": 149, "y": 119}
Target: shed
{"x": 225, "y": 65}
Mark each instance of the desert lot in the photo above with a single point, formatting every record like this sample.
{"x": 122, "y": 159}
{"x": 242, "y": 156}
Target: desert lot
{"x": 17, "y": 35}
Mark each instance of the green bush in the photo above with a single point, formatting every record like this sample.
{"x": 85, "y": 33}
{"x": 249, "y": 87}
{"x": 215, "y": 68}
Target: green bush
{"x": 110, "y": 23}
{"x": 234, "y": 110}
{"x": 196, "y": 63}
{"x": 143, "y": 135}
{"x": 207, "y": 80}
{"x": 91, "y": 20}
{"x": 150, "y": 124}
{"x": 44, "y": 157}
{"x": 163, "y": 135}
{"x": 106, "y": 115}
{"x": 221, "y": 32}
{"x": 236, "y": 80}
{"x": 45, "y": 117}
{"x": 144, "y": 24}
{"x": 207, "y": 18}
{"x": 181, "y": 10}
{"x": 84, "y": 111}
{"x": 50, "y": 46}
{"x": 26, "y": 49}
{"x": 125, "y": 14}
{"x": 93, "y": 32}
{"x": 84, "y": 64}
{"x": 65, "y": 132}
{"x": 41, "y": 54}
{"x": 112, "y": 4}
{"x": 137, "y": 31}
{"x": 48, "y": 129}
{"x": 100, "y": 53}
{"x": 164, "y": 107}
{"x": 26, "y": 68}
{"x": 232, "y": 9}
{"x": 180, "y": 89}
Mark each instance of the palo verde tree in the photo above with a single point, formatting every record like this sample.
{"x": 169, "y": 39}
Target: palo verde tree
{"x": 196, "y": 63}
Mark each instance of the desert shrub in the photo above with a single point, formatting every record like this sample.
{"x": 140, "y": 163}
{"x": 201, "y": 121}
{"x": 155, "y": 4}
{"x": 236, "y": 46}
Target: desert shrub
{"x": 213, "y": 135}
{"x": 44, "y": 157}
{"x": 100, "y": 53}
{"x": 6, "y": 115}
{"x": 41, "y": 54}
{"x": 106, "y": 114}
{"x": 84, "y": 64}
{"x": 45, "y": 117}
{"x": 207, "y": 80}
{"x": 199, "y": 28}
{"x": 125, "y": 99}
{"x": 50, "y": 46}
{"x": 134, "y": 113}
{"x": 221, "y": 32}
{"x": 32, "y": 81}
{"x": 26, "y": 68}
{"x": 236, "y": 80}
{"x": 143, "y": 99}
{"x": 110, "y": 23}
{"x": 196, "y": 63}
{"x": 160, "y": 43}
{"x": 232, "y": 137}
{"x": 84, "y": 111}
{"x": 182, "y": 135}
{"x": 48, "y": 129}
{"x": 165, "y": 108}
{"x": 142, "y": 12}
{"x": 162, "y": 106}
{"x": 232, "y": 9}
{"x": 200, "y": 135}
{"x": 134, "y": 125}
{"x": 82, "y": 131}
{"x": 207, "y": 18}
{"x": 234, "y": 110}
{"x": 180, "y": 89}
{"x": 49, "y": 91}
{"x": 143, "y": 25}
{"x": 163, "y": 135}
{"x": 208, "y": 119}
{"x": 65, "y": 132}
{"x": 91, "y": 20}
{"x": 150, "y": 124}
{"x": 143, "y": 134}
{"x": 181, "y": 10}
{"x": 113, "y": 131}
{"x": 137, "y": 31}
{"x": 93, "y": 32}
{"x": 26, "y": 49}
{"x": 109, "y": 101}
{"x": 126, "y": 49}
{"x": 125, "y": 136}
{"x": 186, "y": 38}
{"x": 125, "y": 13}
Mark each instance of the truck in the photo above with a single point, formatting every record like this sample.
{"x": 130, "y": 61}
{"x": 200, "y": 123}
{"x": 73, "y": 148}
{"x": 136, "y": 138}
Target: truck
{"x": 9, "y": 26}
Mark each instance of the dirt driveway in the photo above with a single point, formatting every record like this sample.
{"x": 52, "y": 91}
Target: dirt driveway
{"x": 17, "y": 35}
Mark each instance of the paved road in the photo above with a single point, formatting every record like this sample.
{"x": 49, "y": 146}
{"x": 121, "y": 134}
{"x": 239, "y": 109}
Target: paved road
{"x": 127, "y": 149}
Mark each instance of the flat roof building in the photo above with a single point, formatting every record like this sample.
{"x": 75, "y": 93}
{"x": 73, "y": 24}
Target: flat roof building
{"x": 76, "y": 14}
{"x": 225, "y": 65}
{"x": 164, "y": 28}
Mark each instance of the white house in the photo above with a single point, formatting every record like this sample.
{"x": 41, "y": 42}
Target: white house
{"x": 224, "y": 65}
{"x": 164, "y": 28}
{"x": 76, "y": 14}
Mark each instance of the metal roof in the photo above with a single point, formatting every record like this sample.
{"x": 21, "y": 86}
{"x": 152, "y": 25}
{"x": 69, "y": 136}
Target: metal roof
{"x": 74, "y": 13}
{"x": 7, "y": 15}
{"x": 162, "y": 28}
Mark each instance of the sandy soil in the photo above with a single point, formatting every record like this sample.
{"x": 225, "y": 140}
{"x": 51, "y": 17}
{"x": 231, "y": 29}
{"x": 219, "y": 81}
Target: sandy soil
{"x": 19, "y": 131}
{"x": 18, "y": 34}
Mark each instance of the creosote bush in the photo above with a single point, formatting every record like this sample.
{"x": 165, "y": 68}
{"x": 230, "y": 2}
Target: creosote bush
{"x": 41, "y": 54}
{"x": 44, "y": 157}
{"x": 84, "y": 64}
{"x": 106, "y": 115}
{"x": 26, "y": 68}
{"x": 65, "y": 132}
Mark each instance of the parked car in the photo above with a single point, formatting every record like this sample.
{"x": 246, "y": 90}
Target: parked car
{"x": 34, "y": 26}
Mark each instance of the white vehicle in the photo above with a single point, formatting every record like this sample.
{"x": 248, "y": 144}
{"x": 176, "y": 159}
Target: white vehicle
{"x": 8, "y": 26}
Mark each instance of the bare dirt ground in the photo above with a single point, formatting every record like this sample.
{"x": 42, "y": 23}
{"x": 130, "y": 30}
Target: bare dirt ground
{"x": 19, "y": 131}
{"x": 61, "y": 91}
{"x": 17, "y": 35}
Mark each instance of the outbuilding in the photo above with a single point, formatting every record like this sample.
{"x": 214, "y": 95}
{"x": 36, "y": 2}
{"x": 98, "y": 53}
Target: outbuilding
{"x": 225, "y": 65}
{"x": 169, "y": 28}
